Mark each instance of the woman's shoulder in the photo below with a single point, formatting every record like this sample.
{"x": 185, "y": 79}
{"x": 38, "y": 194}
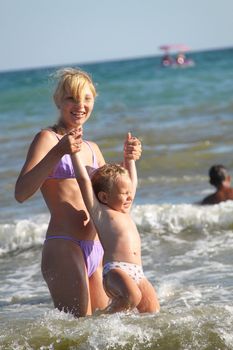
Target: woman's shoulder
{"x": 95, "y": 149}
{"x": 48, "y": 133}
{"x": 91, "y": 143}
{"x": 93, "y": 146}
{"x": 46, "y": 136}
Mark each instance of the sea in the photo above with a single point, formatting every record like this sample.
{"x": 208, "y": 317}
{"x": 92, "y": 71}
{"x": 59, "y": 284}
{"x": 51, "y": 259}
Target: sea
{"x": 184, "y": 118}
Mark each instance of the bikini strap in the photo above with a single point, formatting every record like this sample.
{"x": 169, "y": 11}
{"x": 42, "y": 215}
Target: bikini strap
{"x": 94, "y": 158}
{"x": 53, "y": 132}
{"x": 95, "y": 162}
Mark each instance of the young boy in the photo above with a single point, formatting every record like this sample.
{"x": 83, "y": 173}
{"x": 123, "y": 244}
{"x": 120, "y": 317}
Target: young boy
{"x": 108, "y": 197}
{"x": 220, "y": 179}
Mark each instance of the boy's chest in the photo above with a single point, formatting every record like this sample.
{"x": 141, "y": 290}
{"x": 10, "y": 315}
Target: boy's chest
{"x": 116, "y": 221}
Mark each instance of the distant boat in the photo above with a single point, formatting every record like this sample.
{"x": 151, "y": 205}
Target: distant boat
{"x": 180, "y": 61}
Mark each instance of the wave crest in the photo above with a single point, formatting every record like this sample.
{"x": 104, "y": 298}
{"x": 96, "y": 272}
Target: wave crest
{"x": 22, "y": 234}
{"x": 160, "y": 219}
{"x": 169, "y": 218}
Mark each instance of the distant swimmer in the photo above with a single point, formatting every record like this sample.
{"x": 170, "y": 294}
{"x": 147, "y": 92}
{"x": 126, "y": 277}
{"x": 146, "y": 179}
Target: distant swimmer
{"x": 220, "y": 179}
{"x": 180, "y": 59}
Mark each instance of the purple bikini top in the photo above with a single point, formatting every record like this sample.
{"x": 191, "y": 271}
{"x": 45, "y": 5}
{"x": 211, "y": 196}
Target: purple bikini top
{"x": 64, "y": 168}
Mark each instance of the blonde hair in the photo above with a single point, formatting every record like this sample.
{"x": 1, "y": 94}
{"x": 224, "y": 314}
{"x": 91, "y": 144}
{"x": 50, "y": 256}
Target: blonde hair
{"x": 105, "y": 176}
{"x": 70, "y": 81}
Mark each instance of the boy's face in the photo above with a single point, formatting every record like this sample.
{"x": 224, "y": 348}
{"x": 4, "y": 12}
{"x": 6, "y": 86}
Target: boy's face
{"x": 75, "y": 112}
{"x": 120, "y": 196}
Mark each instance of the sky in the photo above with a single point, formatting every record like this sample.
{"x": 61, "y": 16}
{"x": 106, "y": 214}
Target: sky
{"x": 40, "y": 33}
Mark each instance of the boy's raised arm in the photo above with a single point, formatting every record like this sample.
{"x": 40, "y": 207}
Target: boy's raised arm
{"x": 84, "y": 183}
{"x": 130, "y": 165}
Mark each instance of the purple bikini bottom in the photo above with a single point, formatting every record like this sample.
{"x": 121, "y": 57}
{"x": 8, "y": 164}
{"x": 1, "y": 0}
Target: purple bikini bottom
{"x": 92, "y": 251}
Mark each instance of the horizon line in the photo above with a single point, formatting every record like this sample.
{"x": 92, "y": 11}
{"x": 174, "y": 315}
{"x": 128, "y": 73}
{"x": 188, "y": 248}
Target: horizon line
{"x": 101, "y": 61}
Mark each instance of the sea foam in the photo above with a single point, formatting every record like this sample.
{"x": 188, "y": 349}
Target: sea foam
{"x": 158, "y": 219}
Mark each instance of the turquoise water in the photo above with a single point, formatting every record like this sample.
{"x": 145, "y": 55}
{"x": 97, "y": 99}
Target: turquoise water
{"x": 184, "y": 119}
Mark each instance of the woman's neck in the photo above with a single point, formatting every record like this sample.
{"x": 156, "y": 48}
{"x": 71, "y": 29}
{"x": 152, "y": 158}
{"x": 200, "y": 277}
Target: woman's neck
{"x": 60, "y": 128}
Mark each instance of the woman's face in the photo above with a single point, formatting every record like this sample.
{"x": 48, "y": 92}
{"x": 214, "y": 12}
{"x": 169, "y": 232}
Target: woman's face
{"x": 75, "y": 111}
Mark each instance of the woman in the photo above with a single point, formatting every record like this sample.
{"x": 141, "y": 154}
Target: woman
{"x": 72, "y": 255}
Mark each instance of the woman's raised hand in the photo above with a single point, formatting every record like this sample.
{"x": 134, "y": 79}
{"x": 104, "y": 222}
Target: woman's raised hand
{"x": 132, "y": 147}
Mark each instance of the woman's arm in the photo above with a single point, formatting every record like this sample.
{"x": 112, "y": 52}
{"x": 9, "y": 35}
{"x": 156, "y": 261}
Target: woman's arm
{"x": 43, "y": 155}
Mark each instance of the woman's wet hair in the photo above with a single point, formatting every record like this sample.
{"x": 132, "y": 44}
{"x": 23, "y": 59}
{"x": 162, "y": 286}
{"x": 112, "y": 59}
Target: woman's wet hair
{"x": 218, "y": 174}
{"x": 104, "y": 177}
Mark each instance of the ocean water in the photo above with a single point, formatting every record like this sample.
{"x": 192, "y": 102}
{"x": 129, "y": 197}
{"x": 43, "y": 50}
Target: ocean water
{"x": 184, "y": 118}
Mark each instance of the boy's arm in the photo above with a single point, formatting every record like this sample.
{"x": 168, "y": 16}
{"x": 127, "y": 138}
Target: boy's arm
{"x": 84, "y": 183}
{"x": 130, "y": 165}
{"x": 132, "y": 147}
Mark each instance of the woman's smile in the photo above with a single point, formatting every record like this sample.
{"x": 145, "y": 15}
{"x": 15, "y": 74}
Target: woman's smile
{"x": 77, "y": 115}
{"x": 77, "y": 110}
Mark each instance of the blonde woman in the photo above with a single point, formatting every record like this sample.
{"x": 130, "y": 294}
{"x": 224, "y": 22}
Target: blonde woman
{"x": 72, "y": 254}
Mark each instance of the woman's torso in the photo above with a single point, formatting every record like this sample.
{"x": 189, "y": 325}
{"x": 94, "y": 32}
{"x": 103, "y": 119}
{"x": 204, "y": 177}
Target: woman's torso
{"x": 64, "y": 200}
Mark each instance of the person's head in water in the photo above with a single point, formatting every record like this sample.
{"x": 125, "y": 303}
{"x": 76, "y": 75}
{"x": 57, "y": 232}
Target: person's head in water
{"x": 219, "y": 176}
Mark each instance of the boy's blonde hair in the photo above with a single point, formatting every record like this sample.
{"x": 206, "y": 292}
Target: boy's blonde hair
{"x": 105, "y": 176}
{"x": 72, "y": 81}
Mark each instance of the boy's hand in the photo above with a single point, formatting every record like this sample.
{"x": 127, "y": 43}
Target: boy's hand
{"x": 132, "y": 147}
{"x": 71, "y": 142}
{"x": 76, "y": 140}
